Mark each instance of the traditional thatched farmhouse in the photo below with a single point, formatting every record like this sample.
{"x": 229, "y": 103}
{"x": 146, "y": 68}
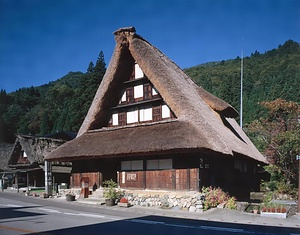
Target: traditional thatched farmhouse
{"x": 151, "y": 127}
{"x": 27, "y": 160}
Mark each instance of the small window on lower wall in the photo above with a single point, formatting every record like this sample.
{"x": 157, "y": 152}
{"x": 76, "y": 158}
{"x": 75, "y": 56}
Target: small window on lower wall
{"x": 159, "y": 164}
{"x": 132, "y": 165}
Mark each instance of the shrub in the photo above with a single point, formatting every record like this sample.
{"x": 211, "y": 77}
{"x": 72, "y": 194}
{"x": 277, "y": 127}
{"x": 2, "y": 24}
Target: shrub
{"x": 273, "y": 207}
{"x": 231, "y": 203}
{"x": 110, "y": 190}
{"x": 214, "y": 197}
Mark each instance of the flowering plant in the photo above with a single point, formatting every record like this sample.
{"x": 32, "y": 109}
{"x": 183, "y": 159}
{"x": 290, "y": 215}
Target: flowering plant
{"x": 124, "y": 200}
{"x": 214, "y": 197}
{"x": 274, "y": 208}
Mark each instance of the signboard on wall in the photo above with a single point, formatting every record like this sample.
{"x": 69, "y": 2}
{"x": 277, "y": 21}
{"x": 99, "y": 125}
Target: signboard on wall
{"x": 131, "y": 177}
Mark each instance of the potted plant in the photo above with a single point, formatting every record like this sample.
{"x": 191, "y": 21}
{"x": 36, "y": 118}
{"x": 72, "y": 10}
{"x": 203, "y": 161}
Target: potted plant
{"x": 273, "y": 210}
{"x": 123, "y": 202}
{"x": 110, "y": 192}
{"x": 255, "y": 209}
{"x": 70, "y": 197}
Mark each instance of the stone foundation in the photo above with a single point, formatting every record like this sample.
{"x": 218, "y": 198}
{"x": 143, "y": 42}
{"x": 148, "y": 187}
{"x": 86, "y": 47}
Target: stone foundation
{"x": 177, "y": 201}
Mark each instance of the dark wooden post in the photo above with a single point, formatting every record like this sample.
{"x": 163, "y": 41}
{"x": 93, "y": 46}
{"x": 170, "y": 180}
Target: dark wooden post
{"x": 27, "y": 179}
{"x": 173, "y": 179}
{"x": 188, "y": 180}
{"x": 298, "y": 158}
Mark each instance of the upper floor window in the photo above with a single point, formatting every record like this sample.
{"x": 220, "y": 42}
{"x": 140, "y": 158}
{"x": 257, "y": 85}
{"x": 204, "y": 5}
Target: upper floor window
{"x": 138, "y": 91}
{"x": 140, "y": 102}
{"x": 138, "y": 73}
{"x": 132, "y": 116}
{"x": 165, "y": 111}
{"x": 145, "y": 114}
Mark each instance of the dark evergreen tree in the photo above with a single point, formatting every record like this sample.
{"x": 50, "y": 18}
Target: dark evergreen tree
{"x": 45, "y": 124}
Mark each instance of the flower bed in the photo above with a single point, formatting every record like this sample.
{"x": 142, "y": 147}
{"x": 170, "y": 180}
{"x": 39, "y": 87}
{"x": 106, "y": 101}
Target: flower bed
{"x": 273, "y": 214}
{"x": 123, "y": 202}
{"x": 275, "y": 211}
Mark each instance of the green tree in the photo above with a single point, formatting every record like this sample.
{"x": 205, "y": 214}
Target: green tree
{"x": 11, "y": 118}
{"x": 278, "y": 136}
{"x": 45, "y": 124}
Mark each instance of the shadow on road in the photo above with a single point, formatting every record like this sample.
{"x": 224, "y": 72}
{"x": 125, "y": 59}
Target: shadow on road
{"x": 149, "y": 225}
{"x": 16, "y": 212}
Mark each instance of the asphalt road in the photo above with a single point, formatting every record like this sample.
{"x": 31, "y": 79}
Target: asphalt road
{"x": 27, "y": 215}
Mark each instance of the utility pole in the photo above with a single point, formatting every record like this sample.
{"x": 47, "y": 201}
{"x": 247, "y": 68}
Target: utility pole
{"x": 241, "y": 101}
{"x": 298, "y": 158}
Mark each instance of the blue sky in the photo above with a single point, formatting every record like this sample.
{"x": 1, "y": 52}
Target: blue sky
{"x": 41, "y": 41}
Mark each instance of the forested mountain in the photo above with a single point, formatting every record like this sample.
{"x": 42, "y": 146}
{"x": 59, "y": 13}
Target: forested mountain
{"x": 266, "y": 77}
{"x": 56, "y": 106}
{"x": 63, "y": 104}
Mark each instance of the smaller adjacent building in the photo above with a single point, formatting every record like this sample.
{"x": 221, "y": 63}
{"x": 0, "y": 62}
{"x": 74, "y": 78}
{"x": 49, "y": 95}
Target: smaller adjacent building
{"x": 26, "y": 160}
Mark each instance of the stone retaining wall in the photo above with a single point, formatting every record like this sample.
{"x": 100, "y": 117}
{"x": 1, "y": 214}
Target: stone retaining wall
{"x": 188, "y": 202}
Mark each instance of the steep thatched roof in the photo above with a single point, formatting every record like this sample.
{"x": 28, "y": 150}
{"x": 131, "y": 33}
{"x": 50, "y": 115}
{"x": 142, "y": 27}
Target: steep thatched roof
{"x": 203, "y": 121}
{"x": 5, "y": 151}
{"x": 36, "y": 148}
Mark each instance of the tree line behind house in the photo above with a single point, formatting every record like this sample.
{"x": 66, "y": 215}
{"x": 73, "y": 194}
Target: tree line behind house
{"x": 271, "y": 97}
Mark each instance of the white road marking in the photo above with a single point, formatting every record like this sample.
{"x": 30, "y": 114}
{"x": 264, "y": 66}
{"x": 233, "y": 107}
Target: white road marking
{"x": 50, "y": 210}
{"x": 224, "y": 229}
{"x": 10, "y": 205}
{"x": 145, "y": 221}
{"x": 73, "y": 214}
{"x": 91, "y": 215}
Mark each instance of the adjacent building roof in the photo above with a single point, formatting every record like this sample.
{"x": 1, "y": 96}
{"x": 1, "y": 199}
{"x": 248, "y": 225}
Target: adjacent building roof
{"x": 36, "y": 148}
{"x": 5, "y": 151}
{"x": 203, "y": 122}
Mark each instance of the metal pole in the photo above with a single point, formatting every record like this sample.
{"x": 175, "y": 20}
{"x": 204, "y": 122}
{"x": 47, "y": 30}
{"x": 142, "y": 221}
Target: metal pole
{"x": 298, "y": 157}
{"x": 241, "y": 101}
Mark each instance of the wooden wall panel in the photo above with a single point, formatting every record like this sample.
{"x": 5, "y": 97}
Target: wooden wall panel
{"x": 94, "y": 178}
{"x": 132, "y": 179}
{"x": 160, "y": 179}
{"x": 194, "y": 179}
{"x": 181, "y": 179}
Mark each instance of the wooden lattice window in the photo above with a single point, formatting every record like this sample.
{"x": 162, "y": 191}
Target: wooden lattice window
{"x": 156, "y": 113}
{"x": 129, "y": 95}
{"x": 147, "y": 91}
{"x": 122, "y": 119}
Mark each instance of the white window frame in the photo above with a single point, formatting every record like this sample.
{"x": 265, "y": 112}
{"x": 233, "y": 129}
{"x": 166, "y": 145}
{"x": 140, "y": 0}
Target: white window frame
{"x": 132, "y": 116}
{"x": 138, "y": 91}
{"x": 146, "y": 114}
{"x": 165, "y": 111}
{"x": 24, "y": 154}
{"x": 123, "y": 99}
{"x": 154, "y": 91}
{"x": 115, "y": 119}
{"x": 138, "y": 73}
